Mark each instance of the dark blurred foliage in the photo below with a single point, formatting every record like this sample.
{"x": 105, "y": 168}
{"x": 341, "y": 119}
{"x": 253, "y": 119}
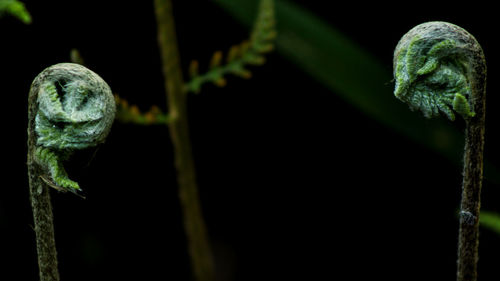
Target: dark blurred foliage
{"x": 295, "y": 182}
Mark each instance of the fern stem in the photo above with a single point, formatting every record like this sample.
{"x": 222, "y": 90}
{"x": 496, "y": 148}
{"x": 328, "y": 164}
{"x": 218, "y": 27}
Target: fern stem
{"x": 198, "y": 243}
{"x": 472, "y": 182}
{"x": 40, "y": 203}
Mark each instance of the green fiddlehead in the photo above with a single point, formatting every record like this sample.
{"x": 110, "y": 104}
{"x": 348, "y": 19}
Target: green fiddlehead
{"x": 74, "y": 110}
{"x": 432, "y": 69}
{"x": 440, "y": 67}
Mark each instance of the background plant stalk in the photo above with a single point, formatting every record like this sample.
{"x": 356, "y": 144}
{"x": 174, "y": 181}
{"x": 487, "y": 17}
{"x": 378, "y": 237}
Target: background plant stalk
{"x": 199, "y": 248}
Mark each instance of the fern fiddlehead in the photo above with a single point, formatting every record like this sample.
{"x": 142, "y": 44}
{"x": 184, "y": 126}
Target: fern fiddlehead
{"x": 440, "y": 67}
{"x": 431, "y": 69}
{"x": 75, "y": 110}
{"x": 69, "y": 108}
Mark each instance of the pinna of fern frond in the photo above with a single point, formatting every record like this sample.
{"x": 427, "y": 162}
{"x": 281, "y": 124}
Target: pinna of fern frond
{"x": 130, "y": 113}
{"x": 248, "y": 53}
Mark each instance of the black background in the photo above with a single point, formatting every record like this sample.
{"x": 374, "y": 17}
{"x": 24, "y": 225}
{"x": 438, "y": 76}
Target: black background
{"x": 294, "y": 182}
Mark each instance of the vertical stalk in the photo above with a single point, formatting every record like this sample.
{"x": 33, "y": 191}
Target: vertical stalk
{"x": 198, "y": 243}
{"x": 44, "y": 227}
{"x": 468, "y": 239}
{"x": 40, "y": 203}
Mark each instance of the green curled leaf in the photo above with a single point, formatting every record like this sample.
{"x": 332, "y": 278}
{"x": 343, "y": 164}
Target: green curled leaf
{"x": 430, "y": 72}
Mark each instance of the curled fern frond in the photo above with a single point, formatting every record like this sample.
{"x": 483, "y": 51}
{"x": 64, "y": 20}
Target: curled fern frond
{"x": 16, "y": 9}
{"x": 432, "y": 65}
{"x": 127, "y": 113}
{"x": 249, "y": 52}
{"x": 73, "y": 109}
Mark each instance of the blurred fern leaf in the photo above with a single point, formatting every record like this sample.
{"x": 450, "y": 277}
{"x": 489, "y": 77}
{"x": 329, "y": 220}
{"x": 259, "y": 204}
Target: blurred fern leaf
{"x": 490, "y": 220}
{"x": 16, "y": 9}
{"x": 127, "y": 113}
{"x": 250, "y": 52}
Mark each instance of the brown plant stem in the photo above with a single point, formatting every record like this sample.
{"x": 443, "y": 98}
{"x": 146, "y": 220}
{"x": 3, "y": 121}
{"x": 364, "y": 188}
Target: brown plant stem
{"x": 473, "y": 175}
{"x": 198, "y": 243}
{"x": 40, "y": 201}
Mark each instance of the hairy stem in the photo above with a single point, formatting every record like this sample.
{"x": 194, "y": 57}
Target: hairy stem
{"x": 199, "y": 248}
{"x": 472, "y": 182}
{"x": 40, "y": 203}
